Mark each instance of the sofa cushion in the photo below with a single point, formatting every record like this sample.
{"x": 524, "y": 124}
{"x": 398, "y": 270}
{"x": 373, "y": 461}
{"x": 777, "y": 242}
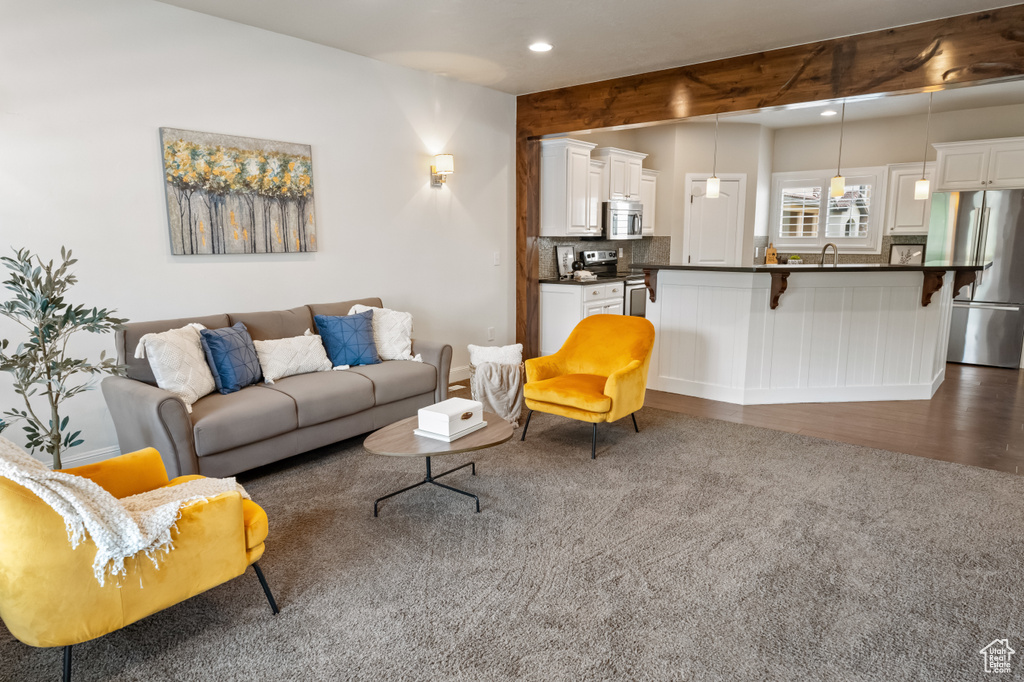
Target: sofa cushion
{"x": 231, "y": 356}
{"x": 324, "y": 396}
{"x": 348, "y": 339}
{"x": 127, "y": 338}
{"x": 178, "y": 362}
{"x": 296, "y": 355}
{"x": 397, "y": 379}
{"x": 222, "y": 422}
{"x": 392, "y": 332}
{"x": 275, "y": 324}
{"x": 342, "y": 307}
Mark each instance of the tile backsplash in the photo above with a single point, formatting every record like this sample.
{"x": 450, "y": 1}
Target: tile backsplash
{"x": 646, "y": 250}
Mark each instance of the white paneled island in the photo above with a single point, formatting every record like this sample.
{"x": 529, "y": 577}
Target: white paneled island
{"x": 804, "y": 333}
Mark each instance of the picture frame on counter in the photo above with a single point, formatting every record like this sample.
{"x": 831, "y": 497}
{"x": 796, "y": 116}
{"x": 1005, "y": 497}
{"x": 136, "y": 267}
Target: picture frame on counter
{"x": 906, "y": 254}
{"x": 565, "y": 255}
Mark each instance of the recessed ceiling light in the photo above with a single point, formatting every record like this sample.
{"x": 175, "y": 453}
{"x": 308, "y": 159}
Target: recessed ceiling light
{"x": 829, "y": 112}
{"x": 541, "y": 47}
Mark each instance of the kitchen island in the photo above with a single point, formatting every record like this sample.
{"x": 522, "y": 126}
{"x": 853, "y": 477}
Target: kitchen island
{"x": 802, "y": 333}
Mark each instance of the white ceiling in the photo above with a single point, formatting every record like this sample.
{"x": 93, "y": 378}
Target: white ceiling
{"x": 485, "y": 41}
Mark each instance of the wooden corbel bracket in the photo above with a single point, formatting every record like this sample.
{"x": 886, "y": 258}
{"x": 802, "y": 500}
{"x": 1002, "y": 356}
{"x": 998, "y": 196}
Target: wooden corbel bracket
{"x": 932, "y": 283}
{"x": 779, "y": 285}
{"x": 651, "y": 282}
{"x": 963, "y": 278}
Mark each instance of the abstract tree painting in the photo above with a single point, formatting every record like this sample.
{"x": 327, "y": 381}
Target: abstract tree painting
{"x": 229, "y": 194}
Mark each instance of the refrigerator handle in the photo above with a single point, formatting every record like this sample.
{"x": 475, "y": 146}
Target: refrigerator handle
{"x": 979, "y": 253}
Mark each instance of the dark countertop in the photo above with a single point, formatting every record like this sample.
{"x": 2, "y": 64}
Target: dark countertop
{"x": 842, "y": 267}
{"x": 601, "y": 280}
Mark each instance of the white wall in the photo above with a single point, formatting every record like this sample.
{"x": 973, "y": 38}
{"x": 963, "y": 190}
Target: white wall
{"x": 897, "y": 139}
{"x": 84, "y": 90}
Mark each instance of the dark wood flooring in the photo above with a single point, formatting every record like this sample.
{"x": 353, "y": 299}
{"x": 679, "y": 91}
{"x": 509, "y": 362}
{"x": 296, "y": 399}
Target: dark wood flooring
{"x": 976, "y": 417}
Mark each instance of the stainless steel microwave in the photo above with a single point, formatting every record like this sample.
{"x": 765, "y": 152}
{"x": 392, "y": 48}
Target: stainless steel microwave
{"x": 623, "y": 219}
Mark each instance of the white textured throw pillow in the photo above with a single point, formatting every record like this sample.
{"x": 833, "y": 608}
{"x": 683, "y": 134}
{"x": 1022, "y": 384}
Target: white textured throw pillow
{"x": 281, "y": 358}
{"x": 392, "y": 332}
{"x": 503, "y": 355}
{"x": 178, "y": 362}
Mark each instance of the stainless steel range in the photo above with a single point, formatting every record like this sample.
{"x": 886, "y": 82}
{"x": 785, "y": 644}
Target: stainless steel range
{"x": 604, "y": 264}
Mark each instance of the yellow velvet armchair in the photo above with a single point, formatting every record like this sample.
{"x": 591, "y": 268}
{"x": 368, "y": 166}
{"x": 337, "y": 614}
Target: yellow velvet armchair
{"x": 48, "y": 594}
{"x": 598, "y": 375}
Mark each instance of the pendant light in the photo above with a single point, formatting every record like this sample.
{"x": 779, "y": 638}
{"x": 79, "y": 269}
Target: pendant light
{"x": 922, "y": 188}
{"x": 714, "y": 185}
{"x": 839, "y": 182}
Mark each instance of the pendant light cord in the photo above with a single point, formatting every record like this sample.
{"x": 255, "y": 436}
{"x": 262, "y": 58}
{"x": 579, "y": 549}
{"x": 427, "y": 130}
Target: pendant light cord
{"x": 842, "y": 125}
{"x": 927, "y": 131}
{"x": 714, "y": 165}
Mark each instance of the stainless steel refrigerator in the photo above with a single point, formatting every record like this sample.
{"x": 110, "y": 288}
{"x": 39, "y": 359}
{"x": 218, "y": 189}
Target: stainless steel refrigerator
{"x": 987, "y": 326}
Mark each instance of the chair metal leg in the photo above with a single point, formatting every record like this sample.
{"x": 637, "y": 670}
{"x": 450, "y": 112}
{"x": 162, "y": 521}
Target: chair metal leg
{"x": 527, "y": 424}
{"x": 67, "y": 663}
{"x": 266, "y": 589}
{"x": 637, "y": 428}
{"x": 593, "y": 444}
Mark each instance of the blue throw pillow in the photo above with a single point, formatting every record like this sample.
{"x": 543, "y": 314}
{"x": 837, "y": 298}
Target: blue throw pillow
{"x": 231, "y": 356}
{"x": 349, "y": 339}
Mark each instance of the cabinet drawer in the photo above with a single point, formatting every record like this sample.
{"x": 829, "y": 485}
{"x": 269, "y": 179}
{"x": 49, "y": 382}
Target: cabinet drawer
{"x": 594, "y": 292}
{"x": 614, "y": 290}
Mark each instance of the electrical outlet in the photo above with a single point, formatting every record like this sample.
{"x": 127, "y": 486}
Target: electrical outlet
{"x": 490, "y": 333}
{"x": 497, "y": 258}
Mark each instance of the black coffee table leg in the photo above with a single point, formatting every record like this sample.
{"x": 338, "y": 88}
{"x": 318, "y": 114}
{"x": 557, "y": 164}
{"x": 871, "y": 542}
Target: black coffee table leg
{"x": 433, "y": 481}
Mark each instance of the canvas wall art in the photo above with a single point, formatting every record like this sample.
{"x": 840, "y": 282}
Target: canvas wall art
{"x": 228, "y": 194}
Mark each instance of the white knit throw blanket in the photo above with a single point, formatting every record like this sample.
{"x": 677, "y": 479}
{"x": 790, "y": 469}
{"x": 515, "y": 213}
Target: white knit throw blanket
{"x": 119, "y": 528}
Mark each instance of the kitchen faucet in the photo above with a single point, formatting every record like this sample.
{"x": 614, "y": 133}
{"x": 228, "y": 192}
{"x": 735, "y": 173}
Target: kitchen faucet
{"x": 835, "y": 254}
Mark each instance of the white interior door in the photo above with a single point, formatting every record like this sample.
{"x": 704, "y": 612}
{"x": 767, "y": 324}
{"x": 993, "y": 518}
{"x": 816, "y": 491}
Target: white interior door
{"x": 713, "y": 228}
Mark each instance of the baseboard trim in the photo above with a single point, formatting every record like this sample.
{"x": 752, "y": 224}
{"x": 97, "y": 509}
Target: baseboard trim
{"x": 457, "y": 374}
{"x": 90, "y": 457}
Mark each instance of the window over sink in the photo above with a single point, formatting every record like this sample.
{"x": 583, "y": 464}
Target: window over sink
{"x": 805, "y": 218}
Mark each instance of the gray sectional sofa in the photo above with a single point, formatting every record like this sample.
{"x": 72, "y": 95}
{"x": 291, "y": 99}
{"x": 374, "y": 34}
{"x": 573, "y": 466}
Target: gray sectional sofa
{"x": 227, "y": 434}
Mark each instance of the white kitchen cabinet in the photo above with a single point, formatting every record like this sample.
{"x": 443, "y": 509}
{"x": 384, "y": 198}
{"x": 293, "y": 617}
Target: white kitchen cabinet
{"x": 648, "y": 192}
{"x": 980, "y": 164}
{"x": 625, "y": 169}
{"x": 594, "y": 216}
{"x": 903, "y": 213}
{"x": 565, "y": 181}
{"x": 562, "y": 306}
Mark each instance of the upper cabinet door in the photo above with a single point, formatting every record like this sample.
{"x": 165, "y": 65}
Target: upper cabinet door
{"x": 619, "y": 187}
{"x": 1006, "y": 165}
{"x": 648, "y": 193}
{"x": 963, "y": 167}
{"x": 904, "y": 214}
{"x": 565, "y": 188}
{"x": 596, "y": 193}
{"x": 634, "y": 169}
{"x": 981, "y": 164}
{"x": 578, "y": 184}
{"x": 624, "y": 170}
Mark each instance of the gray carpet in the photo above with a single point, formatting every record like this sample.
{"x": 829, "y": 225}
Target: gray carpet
{"x": 695, "y": 550}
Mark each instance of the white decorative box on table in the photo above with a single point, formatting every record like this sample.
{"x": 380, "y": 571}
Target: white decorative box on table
{"x": 451, "y": 419}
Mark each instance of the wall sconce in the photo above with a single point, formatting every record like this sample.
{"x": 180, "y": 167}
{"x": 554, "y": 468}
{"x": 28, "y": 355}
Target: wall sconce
{"x": 444, "y": 165}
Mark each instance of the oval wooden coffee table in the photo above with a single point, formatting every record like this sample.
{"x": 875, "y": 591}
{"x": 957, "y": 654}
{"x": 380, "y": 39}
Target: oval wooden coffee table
{"x": 398, "y": 440}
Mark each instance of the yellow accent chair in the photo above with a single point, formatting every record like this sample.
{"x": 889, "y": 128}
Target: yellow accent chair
{"x": 598, "y": 375}
{"x": 49, "y": 596}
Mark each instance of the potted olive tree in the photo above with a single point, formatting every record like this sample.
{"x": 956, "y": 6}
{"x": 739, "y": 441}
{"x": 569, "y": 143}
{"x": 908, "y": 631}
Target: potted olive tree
{"x": 45, "y": 376}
